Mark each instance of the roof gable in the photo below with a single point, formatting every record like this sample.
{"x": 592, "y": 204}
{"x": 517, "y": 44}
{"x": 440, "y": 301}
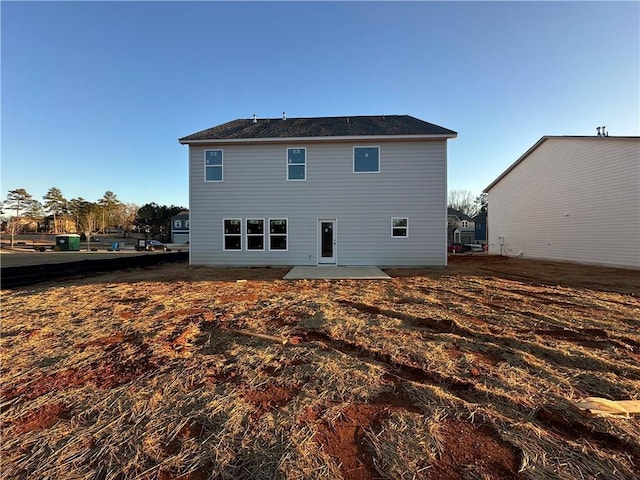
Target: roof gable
{"x": 457, "y": 213}
{"x": 319, "y": 127}
{"x": 540, "y": 142}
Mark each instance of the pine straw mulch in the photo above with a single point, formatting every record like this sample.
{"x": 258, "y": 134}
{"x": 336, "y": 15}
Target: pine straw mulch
{"x": 462, "y": 373}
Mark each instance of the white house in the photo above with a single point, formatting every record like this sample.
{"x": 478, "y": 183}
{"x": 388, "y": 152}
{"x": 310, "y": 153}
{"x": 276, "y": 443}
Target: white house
{"x": 570, "y": 198}
{"x": 364, "y": 190}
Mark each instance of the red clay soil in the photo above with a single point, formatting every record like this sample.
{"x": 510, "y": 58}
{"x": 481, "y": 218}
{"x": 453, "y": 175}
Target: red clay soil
{"x": 193, "y": 428}
{"x": 344, "y": 438}
{"x": 269, "y": 398}
{"x": 202, "y": 473}
{"x": 116, "y": 367}
{"x": 467, "y": 447}
{"x": 42, "y": 418}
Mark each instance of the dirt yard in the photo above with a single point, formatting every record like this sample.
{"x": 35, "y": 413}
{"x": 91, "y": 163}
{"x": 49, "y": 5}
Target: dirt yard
{"x": 187, "y": 373}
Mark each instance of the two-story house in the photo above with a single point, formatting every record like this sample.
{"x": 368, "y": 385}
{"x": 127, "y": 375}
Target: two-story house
{"x": 364, "y": 190}
{"x": 180, "y": 227}
{"x": 460, "y": 227}
{"x": 580, "y": 196}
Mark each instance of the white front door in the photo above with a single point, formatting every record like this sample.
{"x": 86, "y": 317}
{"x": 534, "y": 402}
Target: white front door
{"x": 326, "y": 242}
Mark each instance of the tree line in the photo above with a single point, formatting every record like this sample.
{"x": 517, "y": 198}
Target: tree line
{"x": 57, "y": 214}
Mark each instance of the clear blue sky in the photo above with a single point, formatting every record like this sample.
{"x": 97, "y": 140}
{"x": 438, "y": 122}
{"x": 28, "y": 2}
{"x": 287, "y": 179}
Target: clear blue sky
{"x": 95, "y": 95}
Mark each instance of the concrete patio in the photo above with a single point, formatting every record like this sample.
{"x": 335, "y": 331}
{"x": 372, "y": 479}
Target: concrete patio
{"x": 335, "y": 273}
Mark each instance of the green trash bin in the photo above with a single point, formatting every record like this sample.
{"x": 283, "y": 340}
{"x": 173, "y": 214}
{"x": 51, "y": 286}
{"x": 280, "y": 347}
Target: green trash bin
{"x": 68, "y": 243}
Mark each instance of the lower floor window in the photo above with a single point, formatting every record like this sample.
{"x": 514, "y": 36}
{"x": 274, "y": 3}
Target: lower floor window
{"x": 255, "y": 234}
{"x": 233, "y": 234}
{"x": 278, "y": 234}
{"x": 400, "y": 227}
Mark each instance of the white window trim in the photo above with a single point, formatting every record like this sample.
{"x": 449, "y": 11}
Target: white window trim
{"x": 224, "y": 235}
{"x": 286, "y": 235}
{"x": 286, "y": 159}
{"x": 221, "y": 166}
{"x": 406, "y": 228}
{"x": 353, "y": 160}
{"x": 248, "y": 235}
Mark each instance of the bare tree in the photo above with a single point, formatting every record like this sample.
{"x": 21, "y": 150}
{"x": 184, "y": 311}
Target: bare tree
{"x": 14, "y": 227}
{"x": 126, "y": 215}
{"x": 463, "y": 201}
{"x": 88, "y": 220}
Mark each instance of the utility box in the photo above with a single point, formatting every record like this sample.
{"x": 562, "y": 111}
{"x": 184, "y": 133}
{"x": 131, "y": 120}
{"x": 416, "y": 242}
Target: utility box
{"x": 68, "y": 243}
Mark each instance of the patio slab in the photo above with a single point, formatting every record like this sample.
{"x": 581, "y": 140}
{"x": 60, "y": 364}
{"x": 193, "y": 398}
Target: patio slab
{"x": 334, "y": 273}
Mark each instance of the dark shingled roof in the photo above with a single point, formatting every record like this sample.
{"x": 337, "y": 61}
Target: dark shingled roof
{"x": 319, "y": 127}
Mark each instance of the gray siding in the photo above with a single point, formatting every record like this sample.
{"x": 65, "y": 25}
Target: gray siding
{"x": 411, "y": 183}
{"x": 573, "y": 199}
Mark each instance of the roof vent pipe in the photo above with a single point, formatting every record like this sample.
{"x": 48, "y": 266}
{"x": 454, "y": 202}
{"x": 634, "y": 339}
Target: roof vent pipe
{"x": 598, "y": 128}
{"x": 255, "y": 120}
{"x": 284, "y": 115}
{"x": 604, "y": 131}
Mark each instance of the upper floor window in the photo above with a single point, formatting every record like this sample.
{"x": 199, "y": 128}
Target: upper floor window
{"x": 400, "y": 227}
{"x": 213, "y": 165}
{"x": 186, "y": 223}
{"x": 296, "y": 164}
{"x": 177, "y": 224}
{"x": 366, "y": 159}
{"x": 464, "y": 224}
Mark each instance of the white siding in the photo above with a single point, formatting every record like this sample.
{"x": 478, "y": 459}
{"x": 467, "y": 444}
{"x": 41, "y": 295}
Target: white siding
{"x": 573, "y": 199}
{"x": 411, "y": 183}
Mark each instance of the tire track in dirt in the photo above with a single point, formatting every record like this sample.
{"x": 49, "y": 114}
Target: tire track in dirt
{"x": 116, "y": 366}
{"x": 576, "y": 430}
{"x": 398, "y": 371}
{"x": 584, "y": 337}
{"x": 465, "y": 390}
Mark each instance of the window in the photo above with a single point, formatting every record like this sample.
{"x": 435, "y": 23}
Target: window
{"x": 464, "y": 224}
{"x": 177, "y": 224}
{"x": 366, "y": 159}
{"x": 296, "y": 164}
{"x": 277, "y": 234}
{"x": 232, "y": 234}
{"x": 255, "y": 234}
{"x": 186, "y": 224}
{"x": 400, "y": 227}
{"x": 213, "y": 165}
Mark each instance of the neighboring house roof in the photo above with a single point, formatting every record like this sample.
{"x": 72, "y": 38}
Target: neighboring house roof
{"x": 540, "y": 142}
{"x": 319, "y": 127}
{"x": 183, "y": 212}
{"x": 457, "y": 213}
{"x": 481, "y": 218}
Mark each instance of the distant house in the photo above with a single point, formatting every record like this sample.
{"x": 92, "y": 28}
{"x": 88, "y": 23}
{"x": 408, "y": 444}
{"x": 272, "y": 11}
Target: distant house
{"x": 364, "y": 190}
{"x": 480, "y": 226}
{"x": 570, "y": 198}
{"x": 460, "y": 227}
{"x": 180, "y": 227}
